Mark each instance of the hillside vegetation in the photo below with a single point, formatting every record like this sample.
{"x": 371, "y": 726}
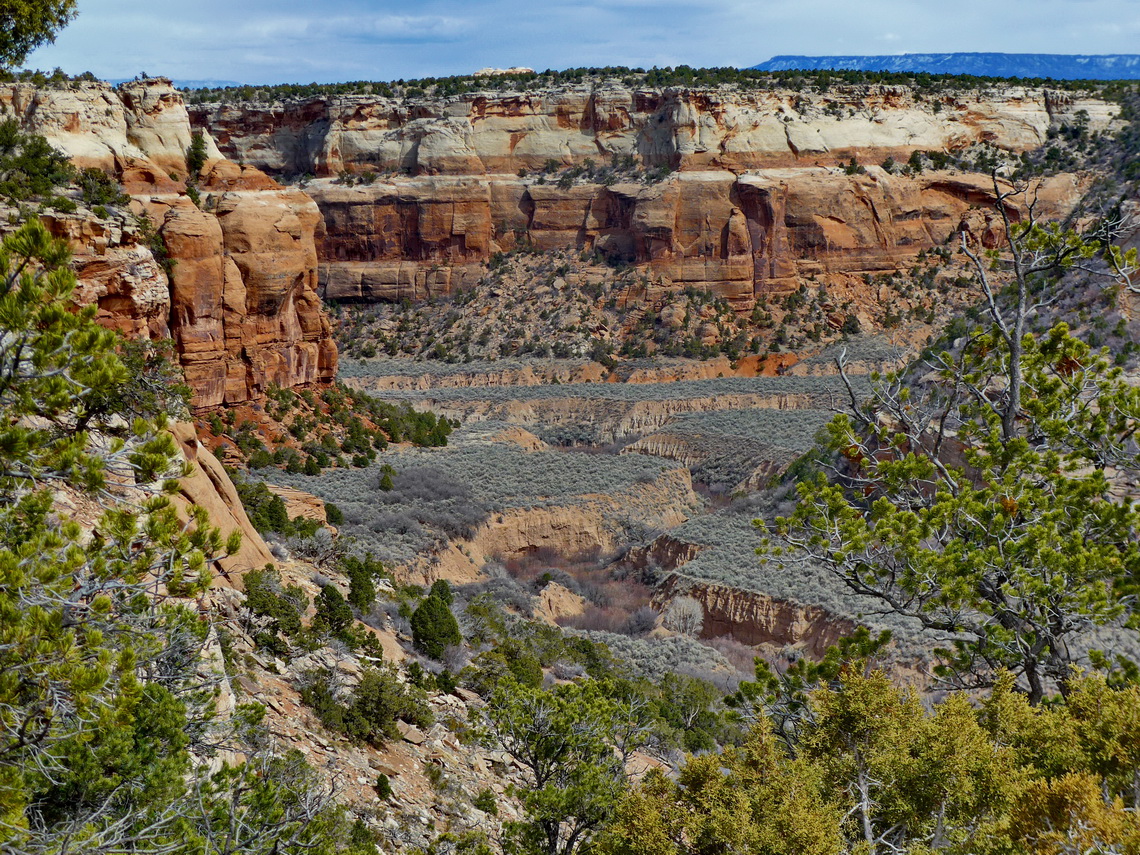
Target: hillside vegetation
{"x": 899, "y": 615}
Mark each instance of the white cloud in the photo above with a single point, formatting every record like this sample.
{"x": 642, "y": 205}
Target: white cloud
{"x": 265, "y": 41}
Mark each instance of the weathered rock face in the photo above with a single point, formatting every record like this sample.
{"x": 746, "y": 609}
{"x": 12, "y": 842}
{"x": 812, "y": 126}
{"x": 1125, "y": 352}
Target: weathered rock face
{"x": 739, "y": 236}
{"x": 479, "y": 133}
{"x": 244, "y": 311}
{"x": 753, "y": 618}
{"x": 139, "y": 131}
{"x": 604, "y": 421}
{"x": 240, "y": 302}
{"x": 117, "y": 274}
{"x": 756, "y": 203}
{"x": 210, "y": 487}
{"x": 589, "y": 524}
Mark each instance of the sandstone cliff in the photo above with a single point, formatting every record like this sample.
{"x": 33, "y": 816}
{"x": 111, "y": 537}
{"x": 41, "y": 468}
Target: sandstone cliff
{"x": 239, "y": 299}
{"x": 756, "y": 204}
{"x": 738, "y": 236}
{"x": 687, "y": 129}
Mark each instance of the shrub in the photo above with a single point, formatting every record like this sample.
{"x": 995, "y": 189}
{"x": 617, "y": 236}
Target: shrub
{"x": 641, "y": 622}
{"x": 266, "y": 510}
{"x": 29, "y": 166}
{"x": 383, "y": 787}
{"x": 381, "y": 699}
{"x": 99, "y": 189}
{"x": 362, "y": 574}
{"x": 196, "y": 155}
{"x": 486, "y": 802}
{"x": 265, "y": 598}
{"x": 685, "y": 615}
{"x": 442, "y": 589}
{"x": 334, "y": 615}
{"x": 370, "y": 713}
{"x": 434, "y": 627}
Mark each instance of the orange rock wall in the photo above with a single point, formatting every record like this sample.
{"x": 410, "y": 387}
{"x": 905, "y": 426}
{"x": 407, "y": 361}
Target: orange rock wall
{"x": 244, "y": 310}
{"x": 241, "y": 299}
{"x": 757, "y": 200}
{"x": 739, "y": 236}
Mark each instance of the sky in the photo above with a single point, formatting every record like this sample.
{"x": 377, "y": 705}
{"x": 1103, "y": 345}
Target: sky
{"x": 299, "y": 41}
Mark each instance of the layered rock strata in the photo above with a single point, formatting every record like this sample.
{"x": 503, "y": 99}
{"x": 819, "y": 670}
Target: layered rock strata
{"x": 239, "y": 299}
{"x": 738, "y": 236}
{"x": 752, "y": 618}
{"x": 757, "y": 202}
{"x": 686, "y": 129}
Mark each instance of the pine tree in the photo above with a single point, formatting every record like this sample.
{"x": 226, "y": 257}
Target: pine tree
{"x": 980, "y": 501}
{"x": 434, "y": 627}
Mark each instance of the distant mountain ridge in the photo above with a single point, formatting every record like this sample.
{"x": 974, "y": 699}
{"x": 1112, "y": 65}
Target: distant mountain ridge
{"x": 1058, "y": 66}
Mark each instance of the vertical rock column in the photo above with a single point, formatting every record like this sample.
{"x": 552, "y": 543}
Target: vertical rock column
{"x": 244, "y": 309}
{"x": 275, "y": 329}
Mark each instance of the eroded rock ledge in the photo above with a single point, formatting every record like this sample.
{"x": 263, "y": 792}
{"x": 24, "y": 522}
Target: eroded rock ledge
{"x": 240, "y": 298}
{"x": 756, "y": 203}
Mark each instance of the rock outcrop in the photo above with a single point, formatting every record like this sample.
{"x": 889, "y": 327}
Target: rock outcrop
{"x": 753, "y": 618}
{"x": 757, "y": 202}
{"x": 583, "y": 525}
{"x": 688, "y": 129}
{"x": 138, "y": 132}
{"x": 738, "y": 236}
{"x": 209, "y": 487}
{"x": 245, "y": 311}
{"x": 239, "y": 297}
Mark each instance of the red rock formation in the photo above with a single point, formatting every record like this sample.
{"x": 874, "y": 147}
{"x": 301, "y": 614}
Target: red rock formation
{"x": 757, "y": 204}
{"x": 737, "y": 236}
{"x": 240, "y": 302}
{"x": 483, "y": 132}
{"x": 244, "y": 312}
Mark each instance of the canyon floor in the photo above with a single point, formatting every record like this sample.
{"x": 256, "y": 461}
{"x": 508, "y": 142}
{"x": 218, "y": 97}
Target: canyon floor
{"x": 640, "y": 490}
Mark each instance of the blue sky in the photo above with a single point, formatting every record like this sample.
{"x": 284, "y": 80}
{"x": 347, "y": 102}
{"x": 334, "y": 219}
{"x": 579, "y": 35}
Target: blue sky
{"x": 258, "y": 41}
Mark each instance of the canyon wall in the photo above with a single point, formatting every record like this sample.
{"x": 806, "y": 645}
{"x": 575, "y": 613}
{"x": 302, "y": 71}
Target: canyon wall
{"x": 738, "y": 236}
{"x": 685, "y": 129}
{"x": 239, "y": 296}
{"x": 757, "y": 201}
{"x": 757, "y": 205}
{"x": 752, "y": 618}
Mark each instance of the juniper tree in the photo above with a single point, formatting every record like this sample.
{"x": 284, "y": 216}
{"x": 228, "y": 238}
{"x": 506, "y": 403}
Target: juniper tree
{"x": 83, "y": 624}
{"x": 573, "y": 742}
{"x": 106, "y": 706}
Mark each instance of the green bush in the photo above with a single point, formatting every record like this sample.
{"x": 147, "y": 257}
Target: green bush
{"x": 383, "y": 787}
{"x": 100, "y": 189}
{"x": 485, "y": 801}
{"x": 29, "y": 166}
{"x": 434, "y": 627}
{"x": 196, "y": 155}
{"x": 265, "y": 598}
{"x": 265, "y": 509}
{"x": 334, "y": 615}
{"x": 370, "y": 713}
{"x": 442, "y": 589}
{"x": 362, "y": 574}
